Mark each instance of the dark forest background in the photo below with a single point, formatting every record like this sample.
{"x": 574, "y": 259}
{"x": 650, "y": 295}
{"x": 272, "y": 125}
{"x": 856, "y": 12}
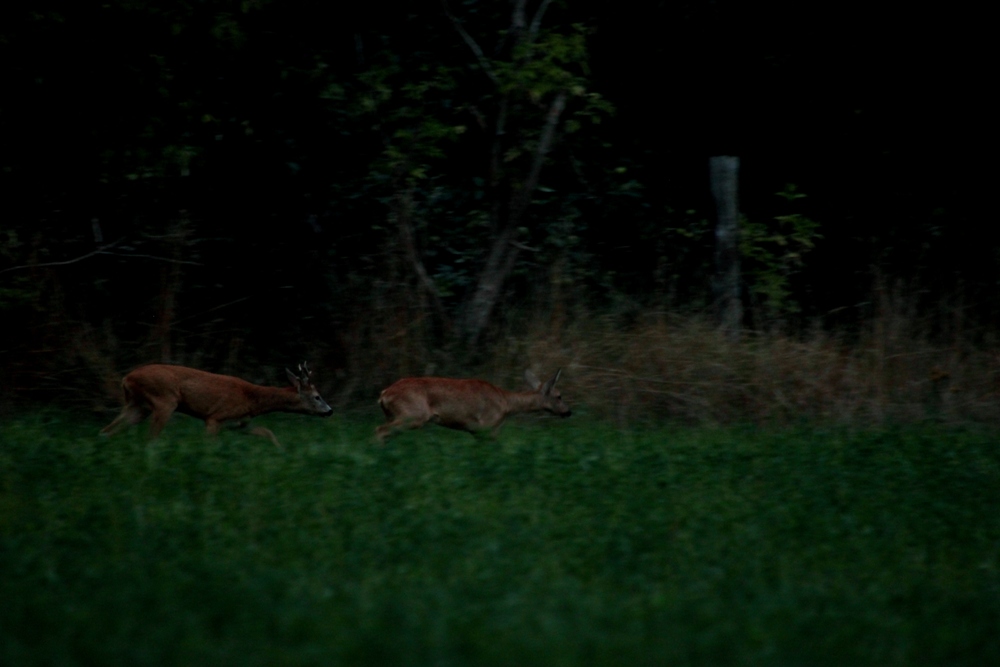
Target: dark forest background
{"x": 474, "y": 187}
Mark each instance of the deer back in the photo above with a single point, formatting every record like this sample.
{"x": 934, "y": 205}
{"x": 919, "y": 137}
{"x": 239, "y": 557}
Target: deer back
{"x": 220, "y": 397}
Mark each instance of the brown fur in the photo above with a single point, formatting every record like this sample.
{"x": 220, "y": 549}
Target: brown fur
{"x": 467, "y": 405}
{"x": 160, "y": 390}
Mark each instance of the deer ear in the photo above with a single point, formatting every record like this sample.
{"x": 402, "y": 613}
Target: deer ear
{"x": 547, "y": 389}
{"x": 293, "y": 379}
{"x": 532, "y": 380}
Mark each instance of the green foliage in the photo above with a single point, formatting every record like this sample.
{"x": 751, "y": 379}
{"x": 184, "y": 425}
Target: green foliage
{"x": 411, "y": 112}
{"x": 289, "y": 138}
{"x": 544, "y": 66}
{"x": 16, "y": 289}
{"x": 773, "y": 253}
{"x": 564, "y": 542}
{"x": 458, "y": 132}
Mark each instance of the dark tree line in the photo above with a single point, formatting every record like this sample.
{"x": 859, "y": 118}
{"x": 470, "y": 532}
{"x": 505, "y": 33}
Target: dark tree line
{"x": 222, "y": 181}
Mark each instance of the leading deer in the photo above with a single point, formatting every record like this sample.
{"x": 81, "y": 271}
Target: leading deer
{"x": 161, "y": 389}
{"x": 473, "y": 406}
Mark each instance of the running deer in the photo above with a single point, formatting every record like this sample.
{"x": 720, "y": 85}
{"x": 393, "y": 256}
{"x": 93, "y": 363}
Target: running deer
{"x": 473, "y": 406}
{"x": 161, "y": 390}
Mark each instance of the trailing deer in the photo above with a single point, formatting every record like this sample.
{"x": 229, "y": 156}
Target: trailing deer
{"x": 161, "y": 390}
{"x": 473, "y": 406}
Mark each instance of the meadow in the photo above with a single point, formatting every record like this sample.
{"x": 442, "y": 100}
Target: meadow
{"x": 571, "y": 542}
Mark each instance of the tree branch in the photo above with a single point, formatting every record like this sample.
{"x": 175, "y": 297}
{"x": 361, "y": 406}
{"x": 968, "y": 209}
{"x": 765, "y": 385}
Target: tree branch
{"x": 99, "y": 251}
{"x": 517, "y": 19}
{"x": 504, "y": 252}
{"x": 103, "y": 250}
{"x": 523, "y": 195}
{"x": 467, "y": 38}
{"x": 536, "y": 21}
{"x": 404, "y": 220}
{"x": 171, "y": 260}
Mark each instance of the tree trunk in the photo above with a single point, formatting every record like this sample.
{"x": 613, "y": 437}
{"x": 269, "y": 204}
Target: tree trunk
{"x": 403, "y": 212}
{"x": 724, "y": 175}
{"x": 503, "y": 253}
{"x": 170, "y": 287}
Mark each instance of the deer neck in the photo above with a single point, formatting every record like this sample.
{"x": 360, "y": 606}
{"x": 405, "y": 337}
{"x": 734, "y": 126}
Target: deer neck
{"x": 527, "y": 401}
{"x": 273, "y": 399}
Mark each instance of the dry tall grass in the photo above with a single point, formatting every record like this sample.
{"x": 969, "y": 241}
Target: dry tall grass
{"x": 890, "y": 369}
{"x": 892, "y": 365}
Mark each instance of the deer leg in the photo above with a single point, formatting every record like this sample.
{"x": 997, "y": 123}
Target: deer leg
{"x": 389, "y": 429}
{"x": 266, "y": 433}
{"x": 259, "y": 431}
{"x": 212, "y": 427}
{"x": 382, "y": 432}
{"x": 130, "y": 415}
{"x": 161, "y": 413}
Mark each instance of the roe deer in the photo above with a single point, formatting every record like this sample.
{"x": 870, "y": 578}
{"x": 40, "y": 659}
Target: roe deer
{"x": 467, "y": 405}
{"x": 162, "y": 389}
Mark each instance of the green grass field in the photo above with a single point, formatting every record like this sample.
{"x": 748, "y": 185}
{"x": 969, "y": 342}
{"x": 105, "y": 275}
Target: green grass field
{"x": 563, "y": 543}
